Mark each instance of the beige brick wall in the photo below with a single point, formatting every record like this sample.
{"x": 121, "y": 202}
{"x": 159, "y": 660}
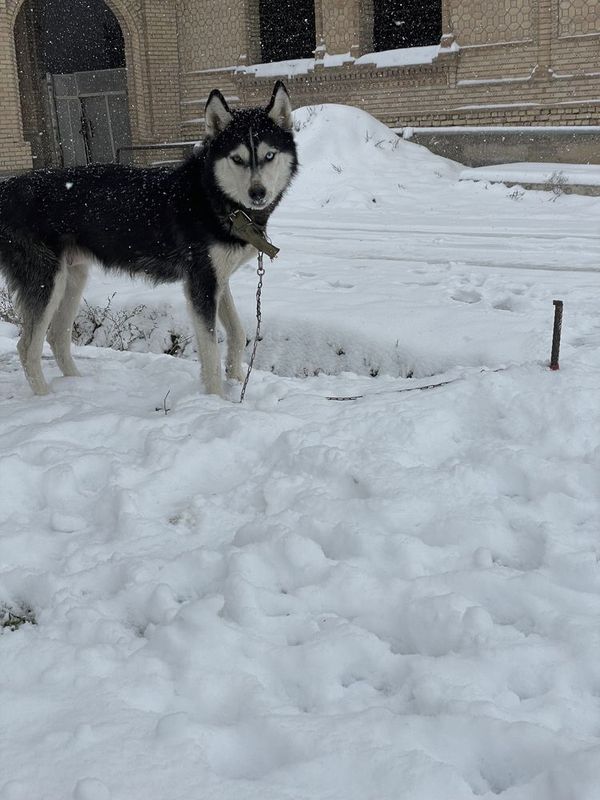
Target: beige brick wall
{"x": 489, "y": 21}
{"x": 519, "y": 62}
{"x": 342, "y": 28}
{"x": 578, "y": 17}
{"x": 163, "y": 68}
{"x": 14, "y": 152}
{"x": 212, "y": 33}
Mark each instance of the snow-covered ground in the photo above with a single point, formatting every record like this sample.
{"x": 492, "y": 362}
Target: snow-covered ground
{"x": 392, "y": 598}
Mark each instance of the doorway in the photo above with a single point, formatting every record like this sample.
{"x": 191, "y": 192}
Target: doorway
{"x": 73, "y": 81}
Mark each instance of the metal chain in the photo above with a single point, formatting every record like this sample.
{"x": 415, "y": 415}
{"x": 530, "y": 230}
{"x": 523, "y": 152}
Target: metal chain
{"x": 260, "y": 271}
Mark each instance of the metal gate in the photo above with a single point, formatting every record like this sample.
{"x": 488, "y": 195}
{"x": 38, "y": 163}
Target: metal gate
{"x": 91, "y": 118}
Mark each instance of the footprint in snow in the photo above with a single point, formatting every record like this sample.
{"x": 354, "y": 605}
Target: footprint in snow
{"x": 466, "y": 296}
{"x": 505, "y": 304}
{"x": 340, "y": 285}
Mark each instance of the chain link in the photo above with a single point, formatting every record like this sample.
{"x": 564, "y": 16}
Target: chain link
{"x": 260, "y": 271}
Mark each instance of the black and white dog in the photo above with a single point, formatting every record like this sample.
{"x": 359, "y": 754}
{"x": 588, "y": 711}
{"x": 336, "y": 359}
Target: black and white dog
{"x": 165, "y": 224}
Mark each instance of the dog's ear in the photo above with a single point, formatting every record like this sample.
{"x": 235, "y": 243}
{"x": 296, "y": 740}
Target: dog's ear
{"x": 280, "y": 107}
{"x": 217, "y": 115}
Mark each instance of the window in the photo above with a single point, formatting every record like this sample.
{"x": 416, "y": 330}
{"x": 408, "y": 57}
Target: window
{"x": 406, "y": 23}
{"x": 287, "y": 29}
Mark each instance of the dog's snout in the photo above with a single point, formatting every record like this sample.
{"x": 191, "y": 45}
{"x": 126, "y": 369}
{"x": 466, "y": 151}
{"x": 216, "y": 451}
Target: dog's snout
{"x": 257, "y": 193}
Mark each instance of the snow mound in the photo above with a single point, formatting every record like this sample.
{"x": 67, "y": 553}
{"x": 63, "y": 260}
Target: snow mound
{"x": 344, "y": 152}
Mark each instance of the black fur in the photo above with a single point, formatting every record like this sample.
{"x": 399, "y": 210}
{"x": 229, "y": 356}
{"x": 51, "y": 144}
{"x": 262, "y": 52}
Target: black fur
{"x": 159, "y": 223}
{"x": 154, "y": 222}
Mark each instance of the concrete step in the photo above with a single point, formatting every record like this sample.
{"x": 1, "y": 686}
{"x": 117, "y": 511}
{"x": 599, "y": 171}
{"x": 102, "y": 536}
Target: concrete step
{"x": 196, "y": 87}
{"x": 551, "y": 177}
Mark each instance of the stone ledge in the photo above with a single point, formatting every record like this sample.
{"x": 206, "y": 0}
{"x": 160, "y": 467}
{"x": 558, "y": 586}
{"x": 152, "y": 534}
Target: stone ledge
{"x": 482, "y": 146}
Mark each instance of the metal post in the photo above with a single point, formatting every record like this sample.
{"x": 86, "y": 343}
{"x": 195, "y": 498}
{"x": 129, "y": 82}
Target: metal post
{"x": 558, "y": 314}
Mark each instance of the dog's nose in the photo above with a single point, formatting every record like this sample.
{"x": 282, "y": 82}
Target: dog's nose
{"x": 257, "y": 193}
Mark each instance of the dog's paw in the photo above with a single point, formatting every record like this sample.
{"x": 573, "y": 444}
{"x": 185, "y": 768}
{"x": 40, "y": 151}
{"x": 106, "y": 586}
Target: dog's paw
{"x": 235, "y": 374}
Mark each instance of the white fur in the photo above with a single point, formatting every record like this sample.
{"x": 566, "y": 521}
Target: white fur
{"x": 208, "y": 352}
{"x": 235, "y": 180}
{"x": 216, "y": 116}
{"x": 61, "y": 326}
{"x": 31, "y": 342}
{"x": 56, "y": 323}
{"x": 281, "y": 112}
{"x": 225, "y": 260}
{"x": 236, "y": 336}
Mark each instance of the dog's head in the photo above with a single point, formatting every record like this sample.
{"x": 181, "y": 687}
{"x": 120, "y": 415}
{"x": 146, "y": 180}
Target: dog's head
{"x": 252, "y": 150}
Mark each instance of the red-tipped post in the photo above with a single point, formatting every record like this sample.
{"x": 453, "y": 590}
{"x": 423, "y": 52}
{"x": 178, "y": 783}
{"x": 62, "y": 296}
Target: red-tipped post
{"x": 558, "y": 315}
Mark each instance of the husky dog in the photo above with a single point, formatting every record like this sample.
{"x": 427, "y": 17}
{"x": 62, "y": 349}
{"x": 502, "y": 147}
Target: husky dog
{"x": 165, "y": 224}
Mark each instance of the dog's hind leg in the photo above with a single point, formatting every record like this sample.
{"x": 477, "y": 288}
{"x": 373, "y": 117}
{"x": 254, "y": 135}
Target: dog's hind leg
{"x": 61, "y": 327}
{"x": 36, "y": 319}
{"x": 236, "y": 338}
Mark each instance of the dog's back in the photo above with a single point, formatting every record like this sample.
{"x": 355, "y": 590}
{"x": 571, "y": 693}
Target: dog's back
{"x": 114, "y": 211}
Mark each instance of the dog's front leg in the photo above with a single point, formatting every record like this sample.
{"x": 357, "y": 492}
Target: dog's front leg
{"x": 236, "y": 338}
{"x": 201, "y": 293}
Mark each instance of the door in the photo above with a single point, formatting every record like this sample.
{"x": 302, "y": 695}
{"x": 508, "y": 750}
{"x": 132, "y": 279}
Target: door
{"x": 91, "y": 115}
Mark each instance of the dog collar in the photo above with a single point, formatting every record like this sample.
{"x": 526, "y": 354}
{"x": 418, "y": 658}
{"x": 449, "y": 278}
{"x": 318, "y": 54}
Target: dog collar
{"x": 251, "y": 232}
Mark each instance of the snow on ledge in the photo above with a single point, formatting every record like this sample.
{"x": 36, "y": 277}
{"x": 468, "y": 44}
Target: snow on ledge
{"x": 297, "y": 66}
{"x": 535, "y": 173}
{"x": 403, "y": 57}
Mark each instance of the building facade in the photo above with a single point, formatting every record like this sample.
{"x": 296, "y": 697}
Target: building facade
{"x": 106, "y": 75}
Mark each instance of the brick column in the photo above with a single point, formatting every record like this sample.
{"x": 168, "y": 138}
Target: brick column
{"x": 447, "y": 32}
{"x": 347, "y": 26}
{"x": 542, "y": 71}
{"x": 162, "y": 68}
{"x": 251, "y": 54}
{"x": 15, "y": 153}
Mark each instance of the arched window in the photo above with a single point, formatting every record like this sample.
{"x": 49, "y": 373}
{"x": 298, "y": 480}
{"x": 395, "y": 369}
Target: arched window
{"x": 406, "y": 23}
{"x": 287, "y": 29}
{"x": 77, "y": 35}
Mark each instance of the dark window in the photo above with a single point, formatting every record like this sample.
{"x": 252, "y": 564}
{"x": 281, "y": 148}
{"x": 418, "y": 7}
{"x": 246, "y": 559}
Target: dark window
{"x": 78, "y": 35}
{"x": 406, "y": 23}
{"x": 287, "y": 29}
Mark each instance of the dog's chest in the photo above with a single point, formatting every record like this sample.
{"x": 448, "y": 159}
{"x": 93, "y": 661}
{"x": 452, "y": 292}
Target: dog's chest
{"x": 226, "y": 259}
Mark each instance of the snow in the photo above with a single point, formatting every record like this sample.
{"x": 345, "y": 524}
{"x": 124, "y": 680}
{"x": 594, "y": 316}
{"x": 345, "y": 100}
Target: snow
{"x": 570, "y": 129}
{"x": 541, "y": 173}
{"x": 295, "y": 66}
{"x": 491, "y": 81}
{"x": 298, "y": 599}
{"x": 402, "y": 57}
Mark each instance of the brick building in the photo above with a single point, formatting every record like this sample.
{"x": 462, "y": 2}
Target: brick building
{"x": 80, "y": 79}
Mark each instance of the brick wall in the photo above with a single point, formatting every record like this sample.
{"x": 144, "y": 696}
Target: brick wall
{"x": 518, "y": 62}
{"x": 15, "y": 153}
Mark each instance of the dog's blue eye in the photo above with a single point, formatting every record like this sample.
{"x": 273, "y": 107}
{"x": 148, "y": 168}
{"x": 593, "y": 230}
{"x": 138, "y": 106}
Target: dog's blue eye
{"x": 270, "y": 156}
{"x": 237, "y": 159}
